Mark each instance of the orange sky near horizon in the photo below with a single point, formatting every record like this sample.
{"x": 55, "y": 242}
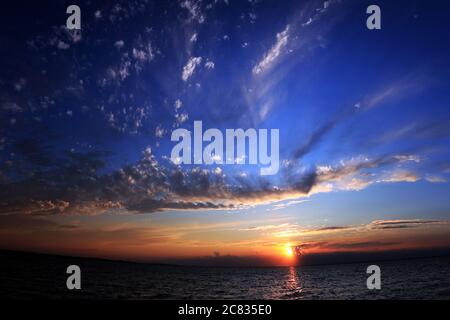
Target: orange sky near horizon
{"x": 143, "y": 240}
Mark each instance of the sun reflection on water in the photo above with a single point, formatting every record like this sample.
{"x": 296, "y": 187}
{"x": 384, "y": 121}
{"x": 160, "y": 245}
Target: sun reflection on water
{"x": 293, "y": 284}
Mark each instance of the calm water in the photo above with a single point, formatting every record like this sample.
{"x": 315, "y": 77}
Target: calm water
{"x": 25, "y": 276}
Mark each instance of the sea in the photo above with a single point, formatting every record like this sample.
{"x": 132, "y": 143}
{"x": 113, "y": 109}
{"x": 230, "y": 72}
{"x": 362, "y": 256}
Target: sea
{"x": 36, "y": 276}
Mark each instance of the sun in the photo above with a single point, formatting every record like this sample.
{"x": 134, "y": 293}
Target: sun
{"x": 288, "y": 250}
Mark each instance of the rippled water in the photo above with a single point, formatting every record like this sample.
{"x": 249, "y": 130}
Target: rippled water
{"x": 23, "y": 277}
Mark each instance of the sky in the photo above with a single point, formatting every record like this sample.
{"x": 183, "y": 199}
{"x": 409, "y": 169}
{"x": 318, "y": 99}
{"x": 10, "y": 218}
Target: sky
{"x": 86, "y": 118}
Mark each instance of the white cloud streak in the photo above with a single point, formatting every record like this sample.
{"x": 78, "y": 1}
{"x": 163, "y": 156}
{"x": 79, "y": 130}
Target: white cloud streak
{"x": 189, "y": 68}
{"x": 271, "y": 56}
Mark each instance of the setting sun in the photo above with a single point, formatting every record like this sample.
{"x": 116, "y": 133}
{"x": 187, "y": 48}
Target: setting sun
{"x": 288, "y": 250}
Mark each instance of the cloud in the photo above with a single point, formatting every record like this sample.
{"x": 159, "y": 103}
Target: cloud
{"x": 400, "y": 176}
{"x": 271, "y": 56}
{"x": 321, "y": 132}
{"x": 360, "y": 172}
{"x": 371, "y": 226}
{"x": 358, "y": 245}
{"x": 159, "y": 132}
{"x": 119, "y": 44}
{"x": 11, "y": 107}
{"x": 361, "y": 237}
{"x": 398, "y": 89}
{"x": 209, "y": 65}
{"x": 24, "y": 222}
{"x": 194, "y": 9}
{"x": 332, "y": 228}
{"x": 62, "y": 45}
{"x": 75, "y": 184}
{"x": 143, "y": 55}
{"x": 424, "y": 130}
{"x": 20, "y": 84}
{"x": 189, "y": 68}
{"x": 403, "y": 224}
{"x": 180, "y": 118}
{"x": 267, "y": 227}
{"x": 406, "y": 158}
{"x": 435, "y": 179}
{"x": 178, "y": 104}
{"x": 284, "y": 205}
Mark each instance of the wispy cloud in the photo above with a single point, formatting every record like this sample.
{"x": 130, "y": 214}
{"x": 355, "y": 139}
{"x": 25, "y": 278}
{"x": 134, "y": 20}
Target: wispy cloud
{"x": 271, "y": 56}
{"x": 435, "y": 179}
{"x": 403, "y": 224}
{"x": 286, "y": 204}
{"x": 189, "y": 68}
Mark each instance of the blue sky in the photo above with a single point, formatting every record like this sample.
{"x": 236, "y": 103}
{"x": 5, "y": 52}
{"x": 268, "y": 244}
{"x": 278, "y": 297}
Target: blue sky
{"x": 86, "y": 116}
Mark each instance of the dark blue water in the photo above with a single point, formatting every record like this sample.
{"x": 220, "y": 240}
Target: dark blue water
{"x": 39, "y": 276}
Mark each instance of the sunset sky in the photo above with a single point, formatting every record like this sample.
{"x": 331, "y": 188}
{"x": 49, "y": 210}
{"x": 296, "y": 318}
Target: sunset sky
{"x": 86, "y": 119}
